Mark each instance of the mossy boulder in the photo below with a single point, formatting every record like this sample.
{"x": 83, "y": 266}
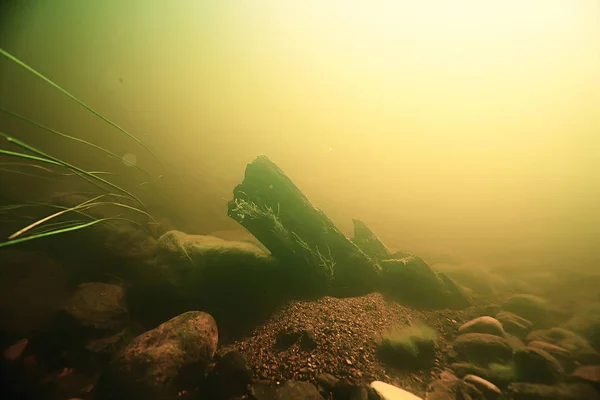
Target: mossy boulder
{"x": 586, "y": 322}
{"x": 499, "y": 374}
{"x": 539, "y": 391}
{"x": 578, "y": 346}
{"x": 514, "y": 324}
{"x": 488, "y": 325}
{"x": 409, "y": 347}
{"x": 194, "y": 262}
{"x": 483, "y": 348}
{"x": 564, "y": 356}
{"x": 533, "y": 308}
{"x": 537, "y": 366}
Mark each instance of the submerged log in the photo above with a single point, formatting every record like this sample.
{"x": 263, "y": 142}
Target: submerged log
{"x": 369, "y": 243}
{"x": 320, "y": 259}
{"x": 299, "y": 235}
{"x": 412, "y": 280}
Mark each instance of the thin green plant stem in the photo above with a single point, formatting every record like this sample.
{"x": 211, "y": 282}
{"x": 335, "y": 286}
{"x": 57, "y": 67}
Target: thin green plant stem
{"x": 58, "y": 161}
{"x": 30, "y": 121}
{"x": 52, "y": 233}
{"x": 28, "y": 165}
{"x": 41, "y": 221}
{"x": 17, "y": 172}
{"x": 68, "y": 94}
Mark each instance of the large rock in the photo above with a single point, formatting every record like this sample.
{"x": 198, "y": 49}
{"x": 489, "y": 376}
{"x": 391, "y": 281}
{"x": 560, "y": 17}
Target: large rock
{"x": 450, "y": 389}
{"x": 32, "y": 289}
{"x": 488, "y": 325}
{"x": 578, "y": 346}
{"x": 162, "y": 361}
{"x": 588, "y": 373}
{"x": 412, "y": 279}
{"x": 196, "y": 262}
{"x": 483, "y": 348}
{"x": 537, "y": 366}
{"x": 175, "y": 248}
{"x": 586, "y": 322}
{"x": 93, "y": 324}
{"x": 236, "y": 281}
{"x": 533, "y": 308}
{"x": 489, "y": 390}
{"x": 99, "y": 306}
{"x": 499, "y": 374}
{"x": 514, "y": 324}
{"x": 564, "y": 356}
{"x": 537, "y": 391}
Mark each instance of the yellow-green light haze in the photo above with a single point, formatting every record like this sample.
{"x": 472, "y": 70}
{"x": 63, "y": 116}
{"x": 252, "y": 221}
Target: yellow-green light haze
{"x": 469, "y": 127}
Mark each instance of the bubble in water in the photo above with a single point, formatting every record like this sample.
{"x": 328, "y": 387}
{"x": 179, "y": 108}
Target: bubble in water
{"x": 129, "y": 159}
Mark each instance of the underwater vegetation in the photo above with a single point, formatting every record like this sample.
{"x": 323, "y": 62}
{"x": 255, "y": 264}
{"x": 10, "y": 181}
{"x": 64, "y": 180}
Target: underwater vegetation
{"x": 59, "y": 219}
{"x": 411, "y": 346}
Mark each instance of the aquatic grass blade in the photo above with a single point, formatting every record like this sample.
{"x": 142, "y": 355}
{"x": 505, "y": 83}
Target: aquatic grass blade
{"x": 52, "y": 233}
{"x": 64, "y": 164}
{"x": 68, "y": 94}
{"x": 57, "y": 214}
{"x": 30, "y": 121}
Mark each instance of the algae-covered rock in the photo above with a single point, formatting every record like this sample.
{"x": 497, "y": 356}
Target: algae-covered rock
{"x": 564, "y": 356}
{"x": 586, "y": 322}
{"x": 409, "y": 347}
{"x": 514, "y": 324}
{"x": 537, "y": 366}
{"x": 192, "y": 261}
{"x": 588, "y": 373}
{"x": 200, "y": 250}
{"x": 533, "y": 308}
{"x": 99, "y": 306}
{"x": 578, "y": 346}
{"x": 237, "y": 282}
{"x": 483, "y": 348}
{"x": 538, "y": 391}
{"x": 454, "y": 389}
{"x": 482, "y": 325}
{"x": 499, "y": 374}
{"x": 489, "y": 390}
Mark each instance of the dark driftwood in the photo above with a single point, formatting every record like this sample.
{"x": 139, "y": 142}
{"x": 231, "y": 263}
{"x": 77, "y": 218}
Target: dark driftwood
{"x": 299, "y": 235}
{"x": 369, "y": 243}
{"x": 320, "y": 258}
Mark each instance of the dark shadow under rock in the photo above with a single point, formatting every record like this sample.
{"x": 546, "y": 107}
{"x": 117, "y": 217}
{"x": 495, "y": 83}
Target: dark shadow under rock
{"x": 230, "y": 377}
{"x": 537, "y": 366}
{"x": 532, "y": 391}
{"x": 289, "y": 390}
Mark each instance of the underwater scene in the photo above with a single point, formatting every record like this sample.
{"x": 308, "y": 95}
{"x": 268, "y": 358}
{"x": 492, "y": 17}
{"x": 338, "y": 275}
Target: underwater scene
{"x": 300, "y": 200}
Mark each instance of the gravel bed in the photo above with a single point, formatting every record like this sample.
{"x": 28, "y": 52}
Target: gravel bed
{"x": 346, "y": 332}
